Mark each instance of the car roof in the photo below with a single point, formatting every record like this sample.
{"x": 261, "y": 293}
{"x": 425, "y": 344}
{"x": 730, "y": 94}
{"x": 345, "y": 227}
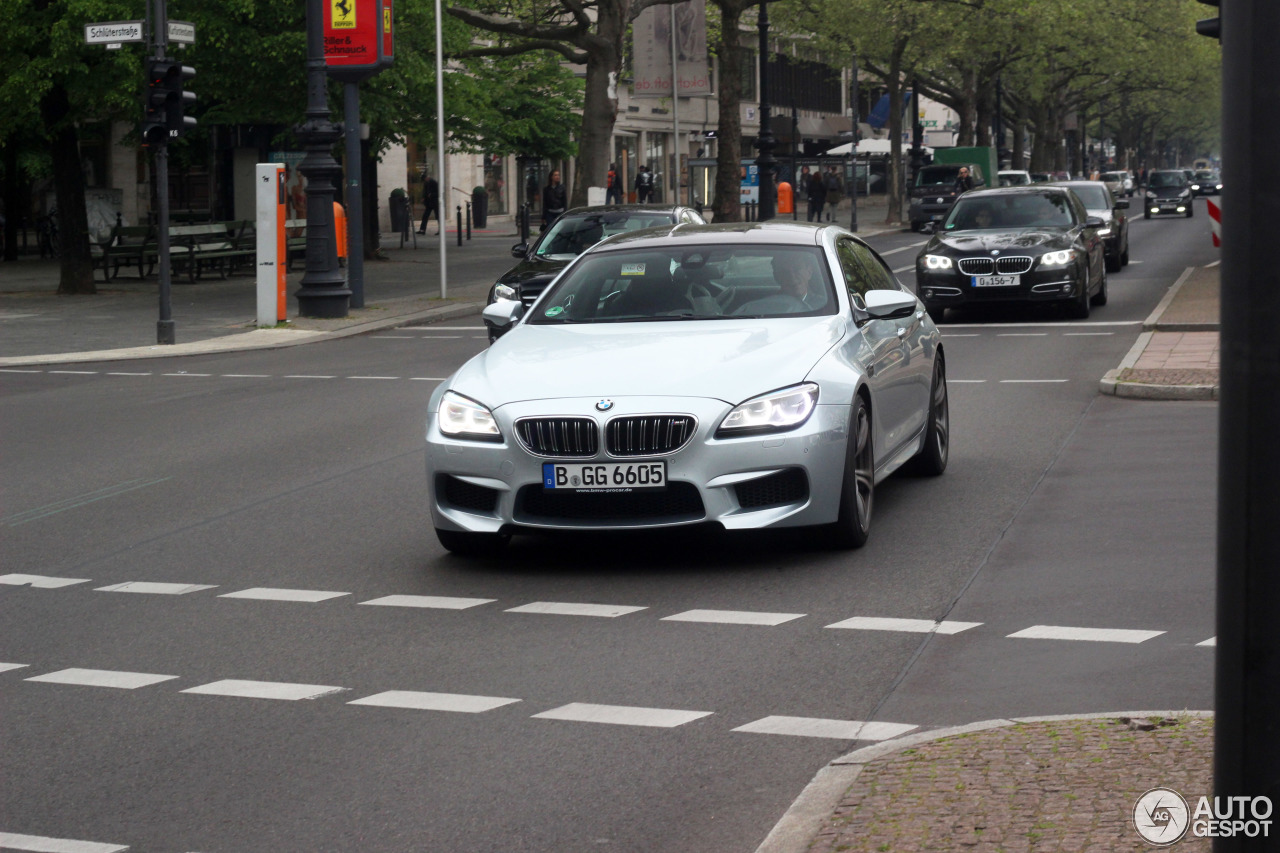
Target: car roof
{"x": 626, "y": 208}
{"x": 773, "y": 232}
{"x": 1033, "y": 189}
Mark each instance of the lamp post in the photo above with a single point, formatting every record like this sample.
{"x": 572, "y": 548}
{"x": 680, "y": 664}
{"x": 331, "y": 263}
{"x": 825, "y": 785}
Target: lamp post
{"x": 765, "y": 163}
{"x": 324, "y": 291}
{"x": 853, "y": 105}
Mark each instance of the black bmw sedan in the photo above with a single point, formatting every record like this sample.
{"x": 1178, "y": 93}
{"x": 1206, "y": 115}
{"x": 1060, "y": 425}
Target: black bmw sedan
{"x": 569, "y": 236}
{"x": 1015, "y": 244}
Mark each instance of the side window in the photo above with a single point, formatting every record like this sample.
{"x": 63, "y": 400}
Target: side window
{"x": 856, "y": 279}
{"x": 878, "y": 275}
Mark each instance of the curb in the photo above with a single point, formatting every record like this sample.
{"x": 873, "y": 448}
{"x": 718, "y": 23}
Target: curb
{"x": 796, "y": 830}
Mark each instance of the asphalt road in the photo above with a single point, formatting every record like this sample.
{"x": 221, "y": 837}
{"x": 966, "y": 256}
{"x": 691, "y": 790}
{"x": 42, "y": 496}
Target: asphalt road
{"x": 249, "y": 706}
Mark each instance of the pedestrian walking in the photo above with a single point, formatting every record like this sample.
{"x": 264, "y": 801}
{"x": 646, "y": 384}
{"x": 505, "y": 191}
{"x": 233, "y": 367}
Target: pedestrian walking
{"x": 833, "y": 191}
{"x": 613, "y": 186}
{"x": 430, "y": 202}
{"x": 816, "y": 192}
{"x": 644, "y": 185}
{"x": 554, "y": 199}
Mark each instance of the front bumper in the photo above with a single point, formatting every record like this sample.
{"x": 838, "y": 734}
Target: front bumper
{"x": 1176, "y": 206}
{"x": 776, "y": 480}
{"x": 951, "y": 288}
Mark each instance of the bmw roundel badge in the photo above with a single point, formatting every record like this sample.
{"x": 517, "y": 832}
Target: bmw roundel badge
{"x": 604, "y": 405}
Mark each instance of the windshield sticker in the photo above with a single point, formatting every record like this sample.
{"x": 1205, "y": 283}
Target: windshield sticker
{"x": 633, "y": 269}
{"x": 555, "y": 311}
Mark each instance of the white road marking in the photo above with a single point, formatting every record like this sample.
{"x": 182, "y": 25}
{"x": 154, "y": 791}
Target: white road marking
{"x": 555, "y": 608}
{"x": 263, "y": 593}
{"x": 41, "y": 844}
{"x": 915, "y": 626}
{"x": 396, "y": 337}
{"x": 124, "y": 373}
{"x": 1206, "y": 266}
{"x": 441, "y": 602}
{"x": 1074, "y": 325}
{"x": 1087, "y": 334}
{"x": 5, "y": 667}
{"x": 373, "y": 377}
{"x": 305, "y": 376}
{"x": 153, "y": 588}
{"x": 1099, "y": 635}
{"x": 77, "y": 372}
{"x": 442, "y": 328}
{"x": 441, "y": 337}
{"x": 40, "y": 581}
{"x": 456, "y": 702}
{"x": 1212, "y": 641}
{"x": 102, "y": 678}
{"x": 1032, "y": 381}
{"x": 246, "y": 376}
{"x": 904, "y": 269}
{"x": 905, "y": 248}
{"x": 1022, "y": 334}
{"x": 184, "y": 373}
{"x": 965, "y": 381}
{"x": 426, "y": 378}
{"x": 961, "y": 335}
{"x": 733, "y": 617}
{"x": 816, "y": 727}
{"x": 264, "y": 690}
{"x": 622, "y": 715}
{"x": 15, "y": 370}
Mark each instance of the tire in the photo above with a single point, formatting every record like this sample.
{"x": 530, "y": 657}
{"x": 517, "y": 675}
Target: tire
{"x": 1114, "y": 263}
{"x": 857, "y": 488}
{"x": 1191, "y": 209}
{"x": 1100, "y": 298}
{"x": 931, "y": 461}
{"x": 1146, "y": 214}
{"x": 472, "y": 544}
{"x": 1080, "y": 306}
{"x": 1124, "y": 256}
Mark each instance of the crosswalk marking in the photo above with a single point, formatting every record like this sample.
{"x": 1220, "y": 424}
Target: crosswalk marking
{"x": 556, "y": 608}
{"x": 40, "y": 581}
{"x": 41, "y": 844}
{"x": 455, "y": 702}
{"x": 153, "y": 588}
{"x": 264, "y": 690}
{"x": 269, "y": 594}
{"x": 733, "y": 617}
{"x": 441, "y": 602}
{"x": 622, "y": 715}
{"x": 918, "y": 626}
{"x": 1100, "y": 635}
{"x": 817, "y": 727}
{"x": 102, "y": 678}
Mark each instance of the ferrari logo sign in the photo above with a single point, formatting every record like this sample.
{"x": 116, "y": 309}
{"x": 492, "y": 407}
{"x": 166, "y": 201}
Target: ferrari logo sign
{"x": 343, "y": 14}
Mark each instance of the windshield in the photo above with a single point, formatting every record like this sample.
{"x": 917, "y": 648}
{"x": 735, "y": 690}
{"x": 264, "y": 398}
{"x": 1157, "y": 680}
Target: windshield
{"x": 691, "y": 283}
{"x": 1094, "y": 198}
{"x": 1205, "y": 175}
{"x": 1014, "y": 210}
{"x": 1166, "y": 179}
{"x": 1113, "y": 178}
{"x": 573, "y": 235}
{"x": 1015, "y": 179}
{"x": 936, "y": 176}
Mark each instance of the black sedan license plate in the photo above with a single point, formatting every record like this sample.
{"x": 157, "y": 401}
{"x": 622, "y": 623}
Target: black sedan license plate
{"x": 605, "y": 477}
{"x": 995, "y": 280}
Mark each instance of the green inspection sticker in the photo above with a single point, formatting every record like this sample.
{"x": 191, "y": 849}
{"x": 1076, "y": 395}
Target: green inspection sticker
{"x": 555, "y": 311}
{"x": 633, "y": 269}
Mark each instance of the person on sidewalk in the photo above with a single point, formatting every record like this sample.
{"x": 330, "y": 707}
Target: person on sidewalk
{"x": 613, "y": 186}
{"x": 833, "y": 191}
{"x": 817, "y": 194}
{"x": 644, "y": 184}
{"x": 430, "y": 201}
{"x": 554, "y": 199}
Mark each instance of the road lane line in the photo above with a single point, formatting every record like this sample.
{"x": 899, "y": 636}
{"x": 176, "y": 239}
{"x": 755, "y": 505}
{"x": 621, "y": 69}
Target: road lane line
{"x": 455, "y": 702}
{"x": 306, "y": 376}
{"x": 965, "y": 381}
{"x": 77, "y": 372}
{"x": 1087, "y": 334}
{"x": 102, "y": 678}
{"x": 905, "y": 248}
{"x": 915, "y": 626}
{"x": 904, "y": 269}
{"x": 79, "y": 501}
{"x": 5, "y": 667}
{"x": 622, "y": 715}
{"x": 246, "y": 376}
{"x": 1209, "y": 643}
{"x": 373, "y": 377}
{"x": 441, "y": 328}
{"x": 262, "y": 593}
{"x": 1082, "y": 324}
{"x": 152, "y": 588}
{"x": 817, "y": 727}
{"x": 184, "y": 373}
{"x": 732, "y": 617}
{"x": 40, "y": 581}
{"x": 442, "y": 602}
{"x": 42, "y": 844}
{"x": 426, "y": 378}
{"x": 16, "y": 370}
{"x": 1022, "y": 334}
{"x": 127, "y": 373}
{"x": 264, "y": 690}
{"x": 556, "y": 608}
{"x": 1097, "y": 635}
{"x": 1032, "y": 381}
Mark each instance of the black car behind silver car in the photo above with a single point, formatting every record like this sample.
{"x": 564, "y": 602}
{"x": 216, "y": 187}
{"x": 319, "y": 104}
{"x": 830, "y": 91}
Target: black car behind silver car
{"x": 1099, "y": 201}
{"x": 1015, "y": 244}
{"x": 1168, "y": 191}
{"x": 569, "y": 236}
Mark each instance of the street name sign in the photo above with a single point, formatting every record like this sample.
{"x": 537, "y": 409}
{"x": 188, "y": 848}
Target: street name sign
{"x": 114, "y": 33}
{"x": 182, "y": 32}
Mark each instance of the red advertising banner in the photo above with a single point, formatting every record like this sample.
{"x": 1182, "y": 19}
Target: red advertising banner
{"x": 357, "y": 35}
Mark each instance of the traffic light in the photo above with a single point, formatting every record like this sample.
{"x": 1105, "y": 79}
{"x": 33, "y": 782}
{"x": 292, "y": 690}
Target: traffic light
{"x": 1210, "y": 27}
{"x": 166, "y": 101}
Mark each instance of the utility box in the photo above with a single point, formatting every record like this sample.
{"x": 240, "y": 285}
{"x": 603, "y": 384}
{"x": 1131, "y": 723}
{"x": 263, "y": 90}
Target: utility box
{"x": 271, "y": 245}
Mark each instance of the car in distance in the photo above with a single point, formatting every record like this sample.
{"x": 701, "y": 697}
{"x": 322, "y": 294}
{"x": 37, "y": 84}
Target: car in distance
{"x": 934, "y": 191}
{"x": 1168, "y": 191}
{"x": 1014, "y": 178}
{"x": 740, "y": 375}
{"x": 1119, "y": 183}
{"x": 1208, "y": 182}
{"x": 1015, "y": 244}
{"x": 1099, "y": 201}
{"x": 568, "y": 236}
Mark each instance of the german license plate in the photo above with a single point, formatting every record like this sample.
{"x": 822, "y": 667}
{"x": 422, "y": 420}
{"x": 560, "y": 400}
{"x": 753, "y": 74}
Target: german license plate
{"x": 1168, "y": 207}
{"x": 995, "y": 280}
{"x": 605, "y": 477}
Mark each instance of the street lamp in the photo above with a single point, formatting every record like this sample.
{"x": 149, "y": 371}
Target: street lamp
{"x": 765, "y": 163}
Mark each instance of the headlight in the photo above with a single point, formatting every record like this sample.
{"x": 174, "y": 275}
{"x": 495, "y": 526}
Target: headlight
{"x": 1151, "y": 194}
{"x": 1195, "y": 188}
{"x": 773, "y": 412}
{"x": 505, "y": 293}
{"x": 937, "y": 262}
{"x": 460, "y": 417}
{"x": 1104, "y": 232}
{"x": 1056, "y": 259}
{"x": 1218, "y": 187}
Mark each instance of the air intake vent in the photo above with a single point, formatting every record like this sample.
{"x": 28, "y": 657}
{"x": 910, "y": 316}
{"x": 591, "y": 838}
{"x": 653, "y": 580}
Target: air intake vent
{"x": 559, "y": 436}
{"x": 648, "y": 435}
{"x": 785, "y": 487}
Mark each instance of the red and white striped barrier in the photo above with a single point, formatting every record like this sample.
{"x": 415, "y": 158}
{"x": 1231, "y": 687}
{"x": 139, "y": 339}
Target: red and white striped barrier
{"x": 1215, "y": 222}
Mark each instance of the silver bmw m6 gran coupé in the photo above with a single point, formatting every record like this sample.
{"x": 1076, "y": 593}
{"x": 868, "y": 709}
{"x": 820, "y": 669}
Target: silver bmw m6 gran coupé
{"x": 746, "y": 375}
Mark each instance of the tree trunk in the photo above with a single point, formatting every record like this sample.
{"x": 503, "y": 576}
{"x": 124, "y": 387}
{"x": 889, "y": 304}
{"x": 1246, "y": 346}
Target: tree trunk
{"x": 76, "y": 275}
{"x": 897, "y": 182}
{"x": 726, "y": 205}
{"x": 1019, "y": 145}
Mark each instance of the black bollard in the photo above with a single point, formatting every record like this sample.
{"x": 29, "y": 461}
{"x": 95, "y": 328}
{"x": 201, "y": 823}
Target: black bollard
{"x": 459, "y": 225}
{"x": 468, "y": 220}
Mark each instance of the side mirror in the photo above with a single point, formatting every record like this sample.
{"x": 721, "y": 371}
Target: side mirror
{"x": 1122, "y": 204}
{"x": 503, "y": 315}
{"x": 519, "y": 250}
{"x": 889, "y": 304}
{"x": 1094, "y": 222}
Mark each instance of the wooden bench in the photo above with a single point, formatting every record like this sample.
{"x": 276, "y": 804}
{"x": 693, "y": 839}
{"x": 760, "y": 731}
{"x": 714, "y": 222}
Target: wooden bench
{"x": 217, "y": 245}
{"x": 128, "y": 245}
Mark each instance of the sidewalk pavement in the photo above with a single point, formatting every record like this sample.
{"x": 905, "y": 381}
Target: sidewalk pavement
{"x": 1042, "y": 784}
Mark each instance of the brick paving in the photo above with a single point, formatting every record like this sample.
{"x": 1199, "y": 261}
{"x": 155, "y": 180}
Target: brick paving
{"x": 1040, "y": 787}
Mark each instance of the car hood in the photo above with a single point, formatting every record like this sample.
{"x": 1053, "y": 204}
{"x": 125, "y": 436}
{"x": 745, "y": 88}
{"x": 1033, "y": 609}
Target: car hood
{"x": 998, "y": 241}
{"x": 729, "y": 360}
{"x": 533, "y": 268}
